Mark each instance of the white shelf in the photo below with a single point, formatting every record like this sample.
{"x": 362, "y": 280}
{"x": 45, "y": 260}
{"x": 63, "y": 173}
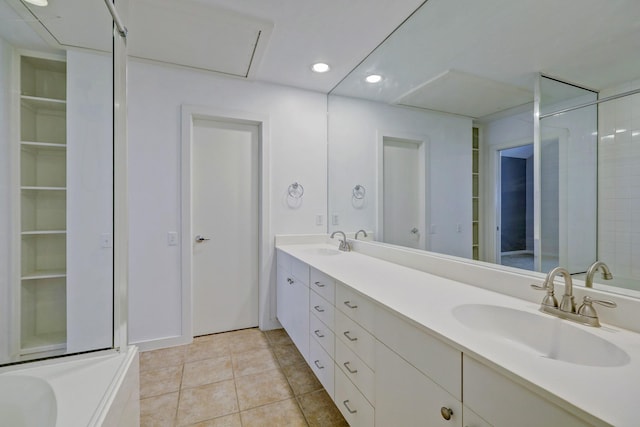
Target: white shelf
{"x": 43, "y": 145}
{"x": 33, "y": 188}
{"x": 44, "y": 342}
{"x": 42, "y": 232}
{"x": 39, "y": 103}
{"x": 44, "y": 274}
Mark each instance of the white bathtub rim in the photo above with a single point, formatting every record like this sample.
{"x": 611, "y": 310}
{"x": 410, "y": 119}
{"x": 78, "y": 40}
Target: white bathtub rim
{"x": 78, "y": 408}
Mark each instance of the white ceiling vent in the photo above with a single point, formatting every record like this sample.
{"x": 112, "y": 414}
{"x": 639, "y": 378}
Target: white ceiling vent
{"x": 197, "y": 35}
{"x": 465, "y": 94}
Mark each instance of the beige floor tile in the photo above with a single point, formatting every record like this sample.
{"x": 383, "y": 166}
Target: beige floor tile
{"x": 301, "y": 378}
{"x": 320, "y": 411}
{"x": 285, "y": 413}
{"x": 278, "y": 337}
{"x": 287, "y": 354}
{"x": 159, "y": 411}
{"x": 163, "y": 358}
{"x": 253, "y": 362}
{"x": 246, "y": 340}
{"x": 154, "y": 382}
{"x": 261, "y": 389}
{"x": 207, "y": 347}
{"x": 207, "y": 371}
{"x": 232, "y": 420}
{"x": 207, "y": 402}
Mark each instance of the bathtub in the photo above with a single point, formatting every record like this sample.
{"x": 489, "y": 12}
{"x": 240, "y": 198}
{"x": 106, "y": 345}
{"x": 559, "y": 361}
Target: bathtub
{"x": 81, "y": 391}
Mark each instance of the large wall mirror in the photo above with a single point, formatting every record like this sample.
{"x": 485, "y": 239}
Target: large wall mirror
{"x": 497, "y": 131}
{"x": 56, "y": 179}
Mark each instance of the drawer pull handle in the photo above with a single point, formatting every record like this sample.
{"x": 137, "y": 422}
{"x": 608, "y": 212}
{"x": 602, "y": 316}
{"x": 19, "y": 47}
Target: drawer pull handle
{"x": 348, "y": 304}
{"x": 446, "y": 413}
{"x": 318, "y": 284}
{"x": 352, "y": 371}
{"x": 346, "y": 334}
{"x": 318, "y": 333}
{"x": 346, "y": 405}
{"x": 318, "y": 365}
{"x": 319, "y": 309}
{"x": 290, "y": 280}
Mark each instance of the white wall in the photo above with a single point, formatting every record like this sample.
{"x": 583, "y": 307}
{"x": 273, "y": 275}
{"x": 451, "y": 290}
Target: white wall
{"x": 89, "y": 201}
{"x": 297, "y": 152}
{"x": 5, "y": 197}
{"x": 619, "y": 184}
{"x": 354, "y": 127}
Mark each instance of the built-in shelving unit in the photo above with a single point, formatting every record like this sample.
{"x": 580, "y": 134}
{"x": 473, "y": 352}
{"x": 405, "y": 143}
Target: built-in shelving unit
{"x": 43, "y": 205}
{"x": 475, "y": 195}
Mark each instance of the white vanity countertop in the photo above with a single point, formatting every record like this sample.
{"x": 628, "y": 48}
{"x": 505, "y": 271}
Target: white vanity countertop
{"x": 610, "y": 394}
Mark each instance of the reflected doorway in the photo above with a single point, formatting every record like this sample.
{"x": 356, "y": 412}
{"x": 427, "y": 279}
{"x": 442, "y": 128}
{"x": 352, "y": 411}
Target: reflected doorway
{"x": 402, "y": 218}
{"x": 515, "y": 213}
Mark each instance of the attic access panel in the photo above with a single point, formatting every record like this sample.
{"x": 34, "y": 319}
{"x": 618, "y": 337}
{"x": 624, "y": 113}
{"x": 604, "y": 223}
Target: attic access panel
{"x": 197, "y": 35}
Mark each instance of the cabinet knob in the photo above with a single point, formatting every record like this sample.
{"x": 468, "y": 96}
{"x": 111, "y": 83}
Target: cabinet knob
{"x": 446, "y": 413}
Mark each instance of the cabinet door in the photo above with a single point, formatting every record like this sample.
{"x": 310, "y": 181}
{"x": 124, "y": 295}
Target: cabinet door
{"x": 503, "y": 403}
{"x": 293, "y": 309}
{"x": 406, "y": 397}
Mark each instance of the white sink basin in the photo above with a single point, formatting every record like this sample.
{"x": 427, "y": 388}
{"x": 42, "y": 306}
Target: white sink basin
{"x": 549, "y": 337}
{"x": 324, "y": 251}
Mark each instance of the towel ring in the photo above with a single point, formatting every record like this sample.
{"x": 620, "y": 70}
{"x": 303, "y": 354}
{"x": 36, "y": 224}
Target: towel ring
{"x": 296, "y": 190}
{"x": 359, "y": 191}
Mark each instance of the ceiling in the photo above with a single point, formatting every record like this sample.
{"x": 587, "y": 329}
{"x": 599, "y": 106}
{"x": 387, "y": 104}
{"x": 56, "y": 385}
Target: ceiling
{"x": 448, "y": 53}
{"x": 273, "y": 41}
{"x": 500, "y": 45}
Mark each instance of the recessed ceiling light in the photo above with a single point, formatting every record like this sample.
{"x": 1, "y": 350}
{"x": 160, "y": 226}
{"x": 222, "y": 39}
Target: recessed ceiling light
{"x": 38, "y": 2}
{"x": 320, "y": 67}
{"x": 373, "y": 78}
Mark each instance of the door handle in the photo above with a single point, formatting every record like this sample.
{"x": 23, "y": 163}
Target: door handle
{"x": 200, "y": 239}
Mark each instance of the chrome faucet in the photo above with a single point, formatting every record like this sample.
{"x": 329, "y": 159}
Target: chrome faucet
{"x": 591, "y": 272}
{"x": 586, "y": 314}
{"x": 364, "y": 233}
{"x": 344, "y": 245}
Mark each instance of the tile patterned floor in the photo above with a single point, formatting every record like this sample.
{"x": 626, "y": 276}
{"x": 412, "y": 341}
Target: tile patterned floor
{"x": 242, "y": 378}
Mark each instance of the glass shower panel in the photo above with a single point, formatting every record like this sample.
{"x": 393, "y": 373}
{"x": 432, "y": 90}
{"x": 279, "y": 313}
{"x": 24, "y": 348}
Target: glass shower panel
{"x": 56, "y": 184}
{"x": 568, "y": 177}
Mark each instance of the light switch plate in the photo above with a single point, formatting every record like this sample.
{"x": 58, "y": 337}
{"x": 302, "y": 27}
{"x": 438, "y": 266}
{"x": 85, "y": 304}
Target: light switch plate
{"x": 172, "y": 238}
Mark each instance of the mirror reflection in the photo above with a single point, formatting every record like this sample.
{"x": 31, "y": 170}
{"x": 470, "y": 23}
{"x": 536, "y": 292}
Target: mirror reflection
{"x": 56, "y": 127}
{"x": 461, "y": 152}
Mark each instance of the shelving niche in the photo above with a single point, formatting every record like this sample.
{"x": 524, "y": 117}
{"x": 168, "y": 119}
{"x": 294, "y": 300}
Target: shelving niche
{"x": 43, "y": 205}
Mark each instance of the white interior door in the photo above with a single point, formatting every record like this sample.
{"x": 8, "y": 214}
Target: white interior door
{"x": 225, "y": 178}
{"x": 403, "y": 194}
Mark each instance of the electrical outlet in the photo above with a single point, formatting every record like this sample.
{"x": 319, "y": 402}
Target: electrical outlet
{"x": 172, "y": 238}
{"x": 319, "y": 219}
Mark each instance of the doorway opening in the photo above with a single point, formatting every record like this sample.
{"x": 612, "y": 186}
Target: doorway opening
{"x": 515, "y": 199}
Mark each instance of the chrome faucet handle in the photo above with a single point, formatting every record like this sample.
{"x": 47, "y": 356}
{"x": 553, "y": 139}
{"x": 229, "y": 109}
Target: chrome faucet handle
{"x": 587, "y": 310}
{"x": 549, "y": 299}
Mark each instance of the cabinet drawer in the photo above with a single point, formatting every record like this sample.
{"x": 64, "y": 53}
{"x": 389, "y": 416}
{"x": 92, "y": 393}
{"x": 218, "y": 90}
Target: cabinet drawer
{"x": 322, "y": 334}
{"x": 323, "y": 285}
{"x": 502, "y": 402}
{"x": 300, "y": 271}
{"x": 322, "y": 309}
{"x": 429, "y": 355}
{"x": 356, "y": 370}
{"x": 356, "y": 338}
{"x": 355, "y": 305}
{"x": 353, "y": 405}
{"x": 322, "y": 365}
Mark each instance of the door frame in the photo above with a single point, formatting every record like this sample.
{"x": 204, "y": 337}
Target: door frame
{"x": 190, "y": 112}
{"x": 423, "y": 170}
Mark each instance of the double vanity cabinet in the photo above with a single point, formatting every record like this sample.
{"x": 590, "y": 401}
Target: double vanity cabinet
{"x": 383, "y": 369}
